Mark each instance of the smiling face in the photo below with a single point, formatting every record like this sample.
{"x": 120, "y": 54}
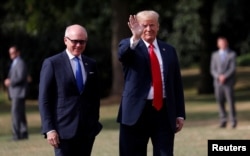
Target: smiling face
{"x": 149, "y": 21}
{"x": 75, "y": 39}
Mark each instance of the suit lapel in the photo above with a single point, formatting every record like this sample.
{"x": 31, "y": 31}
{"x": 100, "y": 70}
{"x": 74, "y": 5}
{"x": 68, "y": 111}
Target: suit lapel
{"x": 164, "y": 57}
{"x": 218, "y": 59}
{"x": 85, "y": 63}
{"x": 144, "y": 48}
{"x": 86, "y": 67}
{"x": 163, "y": 51}
{"x": 68, "y": 69}
{"x": 221, "y": 64}
{"x": 227, "y": 57}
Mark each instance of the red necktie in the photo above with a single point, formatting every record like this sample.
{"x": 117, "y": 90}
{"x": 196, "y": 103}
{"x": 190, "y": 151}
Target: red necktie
{"x": 156, "y": 78}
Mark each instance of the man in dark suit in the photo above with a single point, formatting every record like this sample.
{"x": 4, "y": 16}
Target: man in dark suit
{"x": 69, "y": 98}
{"x": 152, "y": 104}
{"x": 223, "y": 67}
{"x": 17, "y": 89}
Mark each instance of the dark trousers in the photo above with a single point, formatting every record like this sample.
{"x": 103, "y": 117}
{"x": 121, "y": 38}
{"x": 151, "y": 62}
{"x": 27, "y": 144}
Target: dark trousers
{"x": 80, "y": 145}
{"x": 152, "y": 125}
{"x": 19, "y": 121}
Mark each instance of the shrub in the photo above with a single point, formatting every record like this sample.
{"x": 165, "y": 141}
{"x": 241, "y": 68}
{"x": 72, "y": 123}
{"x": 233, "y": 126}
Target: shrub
{"x": 243, "y": 60}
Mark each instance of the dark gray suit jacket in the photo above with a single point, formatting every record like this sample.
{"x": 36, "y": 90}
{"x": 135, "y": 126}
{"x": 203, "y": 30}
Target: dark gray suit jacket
{"x": 227, "y": 67}
{"x": 18, "y": 76}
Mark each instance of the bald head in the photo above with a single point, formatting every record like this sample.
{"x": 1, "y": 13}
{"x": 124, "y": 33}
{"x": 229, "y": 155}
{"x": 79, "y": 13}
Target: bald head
{"x": 75, "y": 29}
{"x": 75, "y": 39}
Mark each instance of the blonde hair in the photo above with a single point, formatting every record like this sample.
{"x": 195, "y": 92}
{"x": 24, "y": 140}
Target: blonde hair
{"x": 148, "y": 14}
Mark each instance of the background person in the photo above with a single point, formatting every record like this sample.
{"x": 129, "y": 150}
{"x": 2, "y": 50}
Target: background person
{"x": 16, "y": 83}
{"x": 223, "y": 68}
{"x": 69, "y": 98}
{"x": 151, "y": 107}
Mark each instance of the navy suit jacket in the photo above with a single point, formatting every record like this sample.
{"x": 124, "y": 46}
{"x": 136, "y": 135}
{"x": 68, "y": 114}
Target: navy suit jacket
{"x": 137, "y": 77}
{"x": 62, "y": 107}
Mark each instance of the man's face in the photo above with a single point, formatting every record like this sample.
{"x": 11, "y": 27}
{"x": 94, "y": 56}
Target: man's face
{"x": 151, "y": 28}
{"x": 222, "y": 43}
{"x": 75, "y": 42}
{"x": 13, "y": 53}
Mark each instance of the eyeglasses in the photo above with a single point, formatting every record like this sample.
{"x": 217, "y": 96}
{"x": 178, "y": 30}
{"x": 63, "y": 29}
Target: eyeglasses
{"x": 77, "y": 41}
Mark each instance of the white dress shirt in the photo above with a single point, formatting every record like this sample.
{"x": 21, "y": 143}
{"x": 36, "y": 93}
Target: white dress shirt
{"x": 72, "y": 62}
{"x": 133, "y": 44}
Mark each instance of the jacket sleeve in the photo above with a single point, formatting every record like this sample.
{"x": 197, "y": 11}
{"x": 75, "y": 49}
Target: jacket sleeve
{"x": 45, "y": 99}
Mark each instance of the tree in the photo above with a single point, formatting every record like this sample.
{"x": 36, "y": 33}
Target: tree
{"x": 196, "y": 25}
{"x": 192, "y": 37}
{"x": 190, "y": 26}
{"x": 38, "y": 28}
{"x": 119, "y": 31}
{"x": 205, "y": 84}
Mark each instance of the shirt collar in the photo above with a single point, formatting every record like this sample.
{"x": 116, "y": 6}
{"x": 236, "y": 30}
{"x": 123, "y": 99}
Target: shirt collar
{"x": 154, "y": 43}
{"x": 223, "y": 50}
{"x": 72, "y": 56}
{"x": 15, "y": 60}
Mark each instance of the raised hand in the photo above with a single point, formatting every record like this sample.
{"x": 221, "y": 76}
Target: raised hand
{"x": 135, "y": 27}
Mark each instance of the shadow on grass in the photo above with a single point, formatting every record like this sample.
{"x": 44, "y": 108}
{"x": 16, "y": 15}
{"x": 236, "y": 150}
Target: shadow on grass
{"x": 189, "y": 81}
{"x": 203, "y": 116}
{"x": 110, "y": 124}
{"x": 5, "y": 108}
{"x": 193, "y": 118}
{"x": 241, "y": 95}
{"x": 206, "y": 118}
{"x": 34, "y": 129}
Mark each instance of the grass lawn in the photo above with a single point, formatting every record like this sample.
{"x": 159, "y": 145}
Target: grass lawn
{"x": 200, "y": 126}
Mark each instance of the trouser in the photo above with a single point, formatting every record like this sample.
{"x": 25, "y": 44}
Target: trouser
{"x": 152, "y": 125}
{"x": 224, "y": 93}
{"x": 19, "y": 121}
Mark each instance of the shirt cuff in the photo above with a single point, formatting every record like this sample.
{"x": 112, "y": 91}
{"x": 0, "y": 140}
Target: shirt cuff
{"x": 180, "y": 118}
{"x": 50, "y": 131}
{"x": 133, "y": 43}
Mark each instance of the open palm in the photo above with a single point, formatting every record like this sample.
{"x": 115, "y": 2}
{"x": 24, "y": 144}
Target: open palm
{"x": 135, "y": 26}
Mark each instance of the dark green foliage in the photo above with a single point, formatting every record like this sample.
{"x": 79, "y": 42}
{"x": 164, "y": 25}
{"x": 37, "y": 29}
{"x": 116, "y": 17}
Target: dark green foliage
{"x": 243, "y": 60}
{"x": 37, "y": 27}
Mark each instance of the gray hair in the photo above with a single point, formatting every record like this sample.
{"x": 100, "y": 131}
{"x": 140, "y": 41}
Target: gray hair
{"x": 68, "y": 29}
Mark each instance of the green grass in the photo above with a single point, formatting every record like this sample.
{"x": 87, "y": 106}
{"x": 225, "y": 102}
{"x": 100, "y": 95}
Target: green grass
{"x": 200, "y": 126}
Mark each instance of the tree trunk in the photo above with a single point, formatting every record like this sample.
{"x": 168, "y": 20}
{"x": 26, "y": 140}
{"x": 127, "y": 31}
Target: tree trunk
{"x": 120, "y": 30}
{"x": 205, "y": 85}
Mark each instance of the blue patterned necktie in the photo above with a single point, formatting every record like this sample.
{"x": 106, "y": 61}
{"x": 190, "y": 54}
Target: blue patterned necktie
{"x": 79, "y": 78}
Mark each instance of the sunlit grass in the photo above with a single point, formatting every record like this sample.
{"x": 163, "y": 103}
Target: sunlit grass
{"x": 201, "y": 125}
